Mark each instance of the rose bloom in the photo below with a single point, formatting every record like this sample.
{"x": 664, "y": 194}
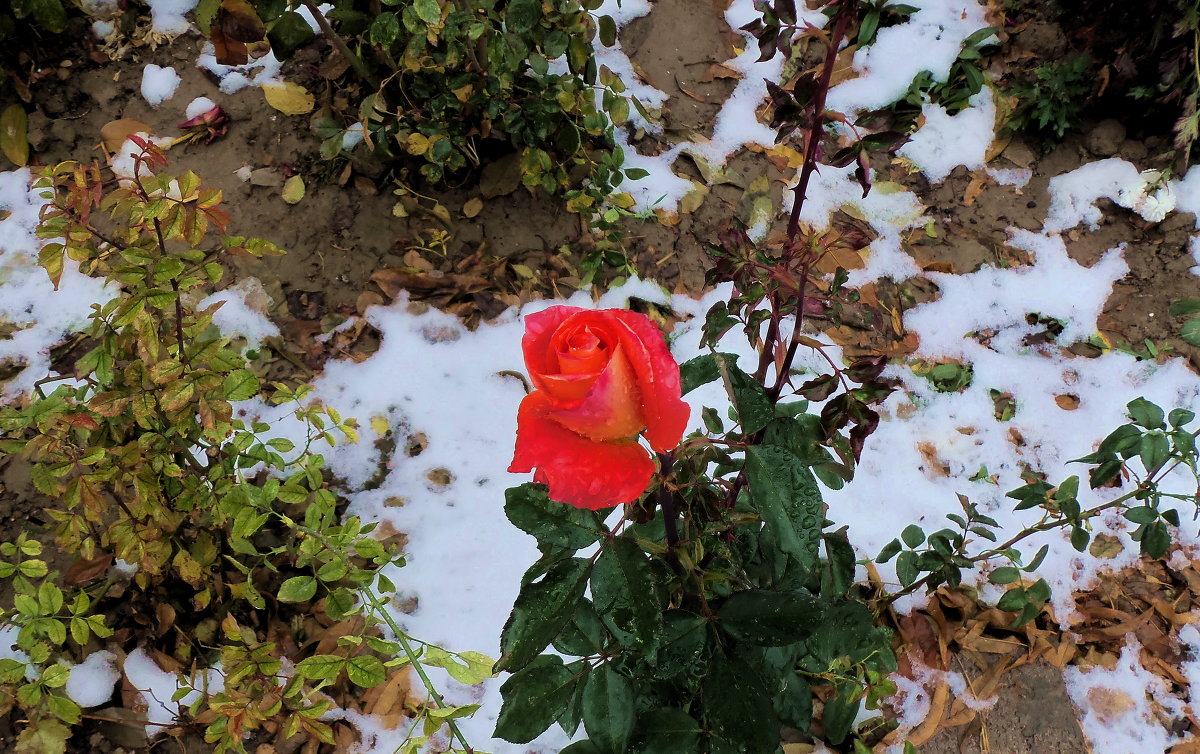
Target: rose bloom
{"x": 601, "y": 378}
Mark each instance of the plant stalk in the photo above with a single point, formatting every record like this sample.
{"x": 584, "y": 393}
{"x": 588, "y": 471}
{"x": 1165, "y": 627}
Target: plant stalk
{"x": 355, "y": 62}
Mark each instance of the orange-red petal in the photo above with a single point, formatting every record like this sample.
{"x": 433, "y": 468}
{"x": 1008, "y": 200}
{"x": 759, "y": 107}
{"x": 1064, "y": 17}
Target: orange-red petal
{"x": 611, "y": 410}
{"x": 664, "y": 411}
{"x": 578, "y": 471}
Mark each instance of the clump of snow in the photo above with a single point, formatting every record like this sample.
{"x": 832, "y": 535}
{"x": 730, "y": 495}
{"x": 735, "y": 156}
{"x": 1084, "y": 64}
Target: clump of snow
{"x": 1125, "y": 709}
{"x": 102, "y": 29}
{"x": 234, "y": 78}
{"x": 170, "y": 16}
{"x": 157, "y": 686}
{"x": 353, "y": 136}
{"x": 929, "y": 40}
{"x": 158, "y": 84}
{"x": 198, "y": 107}
{"x": 1073, "y": 195}
{"x": 947, "y": 141}
{"x": 307, "y": 15}
{"x": 29, "y": 303}
{"x": 91, "y": 681}
{"x": 238, "y": 316}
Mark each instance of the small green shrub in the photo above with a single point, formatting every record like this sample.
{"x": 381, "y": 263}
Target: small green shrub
{"x": 235, "y": 536}
{"x": 1051, "y": 101}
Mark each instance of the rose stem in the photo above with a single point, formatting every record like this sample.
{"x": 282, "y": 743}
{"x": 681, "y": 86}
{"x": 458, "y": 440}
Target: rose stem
{"x": 666, "y": 502}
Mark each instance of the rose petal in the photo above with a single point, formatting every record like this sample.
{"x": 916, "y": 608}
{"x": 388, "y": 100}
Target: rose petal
{"x": 611, "y": 410}
{"x": 535, "y": 345}
{"x": 664, "y": 411}
{"x": 578, "y": 471}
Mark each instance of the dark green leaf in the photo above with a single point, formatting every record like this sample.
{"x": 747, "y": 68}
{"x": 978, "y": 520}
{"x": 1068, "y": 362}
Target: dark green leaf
{"x": 290, "y": 33}
{"x": 552, "y": 524}
{"x": 906, "y": 567}
{"x": 522, "y": 15}
{"x": 1004, "y": 575}
{"x": 700, "y": 371}
{"x": 912, "y": 535}
{"x": 1190, "y": 332}
{"x": 785, "y": 494}
{"x": 737, "y": 708}
{"x": 608, "y": 711}
{"x": 682, "y": 647}
{"x": 1013, "y": 599}
{"x": 624, "y": 595}
{"x": 841, "y": 710}
{"x": 749, "y": 398}
{"x": 533, "y": 699}
{"x": 839, "y": 573}
{"x": 585, "y": 634}
{"x": 668, "y": 731}
{"x": 1156, "y": 540}
{"x": 770, "y": 619}
{"x": 540, "y": 612}
{"x": 1145, "y": 414}
{"x": 1188, "y": 306}
{"x": 889, "y": 551}
{"x": 608, "y": 30}
{"x": 1154, "y": 450}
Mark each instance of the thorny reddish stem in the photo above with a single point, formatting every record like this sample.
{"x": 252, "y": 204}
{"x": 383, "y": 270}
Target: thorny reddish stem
{"x": 815, "y": 128}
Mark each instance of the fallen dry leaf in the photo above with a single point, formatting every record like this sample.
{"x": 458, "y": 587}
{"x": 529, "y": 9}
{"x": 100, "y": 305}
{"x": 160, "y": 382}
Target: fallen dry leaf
{"x": 289, "y": 98}
{"x": 114, "y": 133}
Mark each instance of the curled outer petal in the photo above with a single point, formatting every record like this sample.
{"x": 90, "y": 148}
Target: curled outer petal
{"x": 580, "y": 472}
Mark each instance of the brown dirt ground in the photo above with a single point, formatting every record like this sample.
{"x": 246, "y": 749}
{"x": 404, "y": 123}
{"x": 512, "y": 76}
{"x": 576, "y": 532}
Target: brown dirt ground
{"x": 344, "y": 231}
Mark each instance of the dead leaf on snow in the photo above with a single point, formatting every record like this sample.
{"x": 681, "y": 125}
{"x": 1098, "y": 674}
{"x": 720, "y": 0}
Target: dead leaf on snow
{"x": 115, "y": 132}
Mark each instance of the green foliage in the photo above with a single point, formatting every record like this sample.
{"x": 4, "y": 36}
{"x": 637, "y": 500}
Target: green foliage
{"x": 142, "y": 460}
{"x": 450, "y": 83}
{"x": 1050, "y": 101}
{"x": 711, "y": 632}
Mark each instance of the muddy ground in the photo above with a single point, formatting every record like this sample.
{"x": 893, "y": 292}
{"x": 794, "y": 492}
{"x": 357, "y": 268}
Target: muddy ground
{"x": 345, "y": 231}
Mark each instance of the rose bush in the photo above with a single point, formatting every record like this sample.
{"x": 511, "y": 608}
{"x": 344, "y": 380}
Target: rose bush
{"x": 601, "y": 378}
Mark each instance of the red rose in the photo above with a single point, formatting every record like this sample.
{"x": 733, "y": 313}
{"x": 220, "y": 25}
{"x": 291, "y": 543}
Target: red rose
{"x": 601, "y": 378}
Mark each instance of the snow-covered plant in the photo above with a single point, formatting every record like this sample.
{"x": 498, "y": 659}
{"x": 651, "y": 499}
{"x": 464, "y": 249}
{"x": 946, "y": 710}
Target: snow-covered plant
{"x": 189, "y": 531}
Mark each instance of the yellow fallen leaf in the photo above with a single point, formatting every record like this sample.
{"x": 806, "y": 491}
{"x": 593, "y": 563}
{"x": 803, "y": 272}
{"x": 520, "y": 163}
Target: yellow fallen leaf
{"x": 14, "y": 135}
{"x": 379, "y": 425}
{"x": 289, "y": 98}
{"x": 293, "y": 189}
{"x": 472, "y": 207}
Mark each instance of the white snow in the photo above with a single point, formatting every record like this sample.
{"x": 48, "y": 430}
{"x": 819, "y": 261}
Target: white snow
{"x": 970, "y": 130}
{"x": 158, "y": 84}
{"x": 169, "y": 16}
{"x": 238, "y": 317}
{"x": 29, "y": 303}
{"x": 1126, "y": 709}
{"x": 91, "y": 681}
{"x": 157, "y": 686}
{"x": 199, "y": 106}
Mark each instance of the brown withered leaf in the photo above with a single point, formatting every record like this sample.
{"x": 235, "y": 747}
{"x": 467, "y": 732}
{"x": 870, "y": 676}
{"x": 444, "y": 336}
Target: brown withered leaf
{"x": 115, "y": 132}
{"x": 1067, "y": 401}
{"x": 235, "y": 25}
{"x": 719, "y": 71}
{"x": 388, "y": 701}
{"x": 84, "y": 571}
